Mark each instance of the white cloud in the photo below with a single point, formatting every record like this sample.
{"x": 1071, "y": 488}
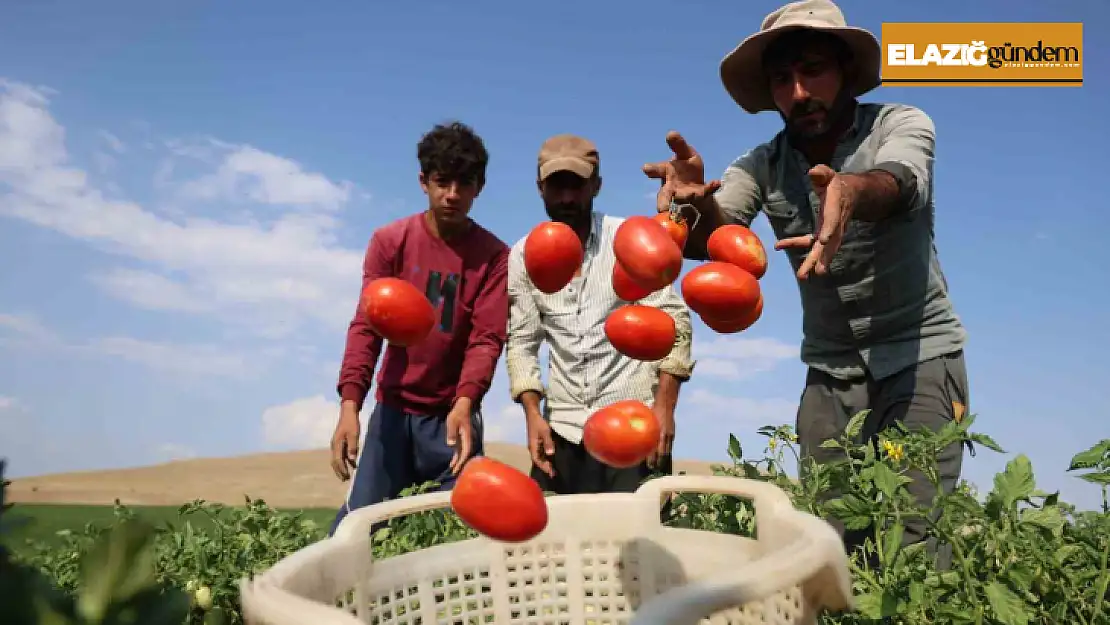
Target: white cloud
{"x": 305, "y": 423}
{"x": 181, "y": 358}
{"x": 112, "y": 142}
{"x": 247, "y": 173}
{"x": 149, "y": 290}
{"x": 6, "y": 403}
{"x": 24, "y": 328}
{"x": 754, "y": 412}
{"x": 505, "y": 424}
{"x": 184, "y": 359}
{"x": 281, "y": 269}
{"x": 740, "y": 357}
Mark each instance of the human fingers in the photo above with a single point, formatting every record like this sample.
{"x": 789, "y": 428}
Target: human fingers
{"x": 810, "y": 261}
{"x": 462, "y": 453}
{"x": 803, "y": 242}
{"x": 679, "y": 146}
{"x": 664, "y": 197}
{"x": 832, "y": 213}
{"x": 658, "y": 171}
{"x": 338, "y": 459}
{"x": 821, "y": 175}
{"x": 547, "y": 446}
{"x": 351, "y": 444}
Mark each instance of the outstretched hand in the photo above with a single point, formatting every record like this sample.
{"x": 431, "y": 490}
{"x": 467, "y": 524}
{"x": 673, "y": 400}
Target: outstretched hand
{"x": 682, "y": 178}
{"x": 832, "y": 221}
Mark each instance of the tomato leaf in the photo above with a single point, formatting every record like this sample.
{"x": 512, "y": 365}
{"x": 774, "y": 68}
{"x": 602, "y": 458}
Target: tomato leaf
{"x": 1016, "y": 483}
{"x": 1008, "y": 608}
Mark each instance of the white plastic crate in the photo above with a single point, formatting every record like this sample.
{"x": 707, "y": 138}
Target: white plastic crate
{"x": 603, "y": 559}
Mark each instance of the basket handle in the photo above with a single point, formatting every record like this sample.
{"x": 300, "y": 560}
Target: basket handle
{"x": 762, "y": 493}
{"x": 359, "y": 521}
{"x": 817, "y": 561}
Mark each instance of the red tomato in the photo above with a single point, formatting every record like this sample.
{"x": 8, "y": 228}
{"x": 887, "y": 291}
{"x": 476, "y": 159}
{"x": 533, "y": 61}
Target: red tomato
{"x": 720, "y": 290}
{"x": 623, "y": 434}
{"x": 552, "y": 255}
{"x": 646, "y": 253}
{"x": 737, "y": 324}
{"x": 676, "y": 228}
{"x": 499, "y": 501}
{"x": 397, "y": 311}
{"x": 641, "y": 332}
{"x": 740, "y": 246}
{"x": 625, "y": 287}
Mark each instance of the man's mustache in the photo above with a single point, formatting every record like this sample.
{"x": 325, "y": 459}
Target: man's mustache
{"x": 565, "y": 209}
{"x": 807, "y": 107}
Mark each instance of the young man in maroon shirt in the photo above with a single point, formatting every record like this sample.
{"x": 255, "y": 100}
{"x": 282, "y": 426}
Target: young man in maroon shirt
{"x": 427, "y": 420}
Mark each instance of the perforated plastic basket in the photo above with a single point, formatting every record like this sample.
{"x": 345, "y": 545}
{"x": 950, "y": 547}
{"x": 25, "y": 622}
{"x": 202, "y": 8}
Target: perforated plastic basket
{"x": 602, "y": 559}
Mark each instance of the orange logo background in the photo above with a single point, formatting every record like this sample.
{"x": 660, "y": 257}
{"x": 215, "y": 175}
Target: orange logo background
{"x": 982, "y": 54}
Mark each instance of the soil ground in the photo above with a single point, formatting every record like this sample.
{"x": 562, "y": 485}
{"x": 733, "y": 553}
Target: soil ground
{"x": 296, "y": 480}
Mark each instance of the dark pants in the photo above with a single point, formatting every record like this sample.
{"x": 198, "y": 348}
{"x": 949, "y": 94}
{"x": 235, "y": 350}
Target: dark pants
{"x": 576, "y": 472}
{"x": 403, "y": 450}
{"x": 930, "y": 394}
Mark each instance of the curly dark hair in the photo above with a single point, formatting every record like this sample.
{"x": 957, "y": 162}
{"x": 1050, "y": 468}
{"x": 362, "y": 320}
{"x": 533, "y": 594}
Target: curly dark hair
{"x": 454, "y": 152}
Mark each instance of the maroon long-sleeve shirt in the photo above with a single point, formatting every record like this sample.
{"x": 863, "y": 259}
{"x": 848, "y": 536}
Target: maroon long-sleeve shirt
{"x": 466, "y": 280}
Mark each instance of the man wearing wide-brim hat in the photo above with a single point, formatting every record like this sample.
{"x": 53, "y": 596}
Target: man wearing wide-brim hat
{"x": 848, "y": 190}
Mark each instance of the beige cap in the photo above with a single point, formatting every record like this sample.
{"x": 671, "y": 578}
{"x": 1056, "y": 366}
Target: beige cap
{"x": 568, "y": 153}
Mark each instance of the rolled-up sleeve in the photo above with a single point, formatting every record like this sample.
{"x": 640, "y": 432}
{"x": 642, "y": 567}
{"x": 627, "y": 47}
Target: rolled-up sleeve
{"x": 741, "y": 194}
{"x": 679, "y": 362}
{"x": 906, "y": 150}
{"x": 522, "y": 352}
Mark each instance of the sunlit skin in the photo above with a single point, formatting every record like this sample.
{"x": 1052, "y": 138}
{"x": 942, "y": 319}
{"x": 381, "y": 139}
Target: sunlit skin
{"x": 807, "y": 73}
{"x": 569, "y": 198}
{"x": 449, "y": 203}
{"x": 806, "y": 78}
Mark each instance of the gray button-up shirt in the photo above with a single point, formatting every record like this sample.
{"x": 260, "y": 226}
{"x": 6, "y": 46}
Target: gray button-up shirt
{"x": 884, "y": 304}
{"x": 586, "y": 372}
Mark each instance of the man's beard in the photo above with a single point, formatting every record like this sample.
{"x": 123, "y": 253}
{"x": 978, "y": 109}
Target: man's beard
{"x": 572, "y": 214}
{"x": 806, "y": 130}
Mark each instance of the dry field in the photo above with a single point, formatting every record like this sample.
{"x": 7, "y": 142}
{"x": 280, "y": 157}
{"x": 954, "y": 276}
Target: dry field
{"x": 300, "y": 479}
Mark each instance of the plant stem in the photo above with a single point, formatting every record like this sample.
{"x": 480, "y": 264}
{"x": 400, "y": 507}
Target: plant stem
{"x": 1103, "y": 582}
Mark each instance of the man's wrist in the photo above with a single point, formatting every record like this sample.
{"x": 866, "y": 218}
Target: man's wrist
{"x": 349, "y": 408}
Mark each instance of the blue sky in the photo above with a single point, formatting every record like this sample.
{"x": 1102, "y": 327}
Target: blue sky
{"x": 186, "y": 192}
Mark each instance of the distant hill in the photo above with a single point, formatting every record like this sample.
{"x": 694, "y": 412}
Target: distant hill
{"x": 301, "y": 479}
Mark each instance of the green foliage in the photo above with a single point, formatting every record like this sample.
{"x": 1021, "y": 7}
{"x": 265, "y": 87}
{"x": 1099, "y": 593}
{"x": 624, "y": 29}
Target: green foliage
{"x": 196, "y": 562}
{"x": 113, "y": 582}
{"x": 1020, "y": 556}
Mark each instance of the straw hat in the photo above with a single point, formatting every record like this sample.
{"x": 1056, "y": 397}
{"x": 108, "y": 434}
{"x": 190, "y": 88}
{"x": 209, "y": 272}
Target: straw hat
{"x": 742, "y": 69}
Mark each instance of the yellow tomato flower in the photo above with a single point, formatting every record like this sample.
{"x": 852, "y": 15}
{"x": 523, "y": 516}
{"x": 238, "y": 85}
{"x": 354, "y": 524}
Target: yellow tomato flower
{"x": 894, "y": 451}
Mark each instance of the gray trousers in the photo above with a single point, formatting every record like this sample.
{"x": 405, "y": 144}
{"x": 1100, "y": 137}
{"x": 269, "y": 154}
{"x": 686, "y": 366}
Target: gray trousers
{"x": 929, "y": 394}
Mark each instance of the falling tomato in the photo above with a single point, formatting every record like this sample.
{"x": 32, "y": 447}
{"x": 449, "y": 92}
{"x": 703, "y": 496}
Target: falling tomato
{"x": 397, "y": 311}
{"x": 499, "y": 501}
{"x": 641, "y": 332}
{"x": 675, "y": 226}
{"x": 623, "y": 434}
{"x": 552, "y": 255}
{"x": 736, "y": 324}
{"x": 719, "y": 290}
{"x": 740, "y": 246}
{"x": 646, "y": 252}
{"x": 625, "y": 287}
